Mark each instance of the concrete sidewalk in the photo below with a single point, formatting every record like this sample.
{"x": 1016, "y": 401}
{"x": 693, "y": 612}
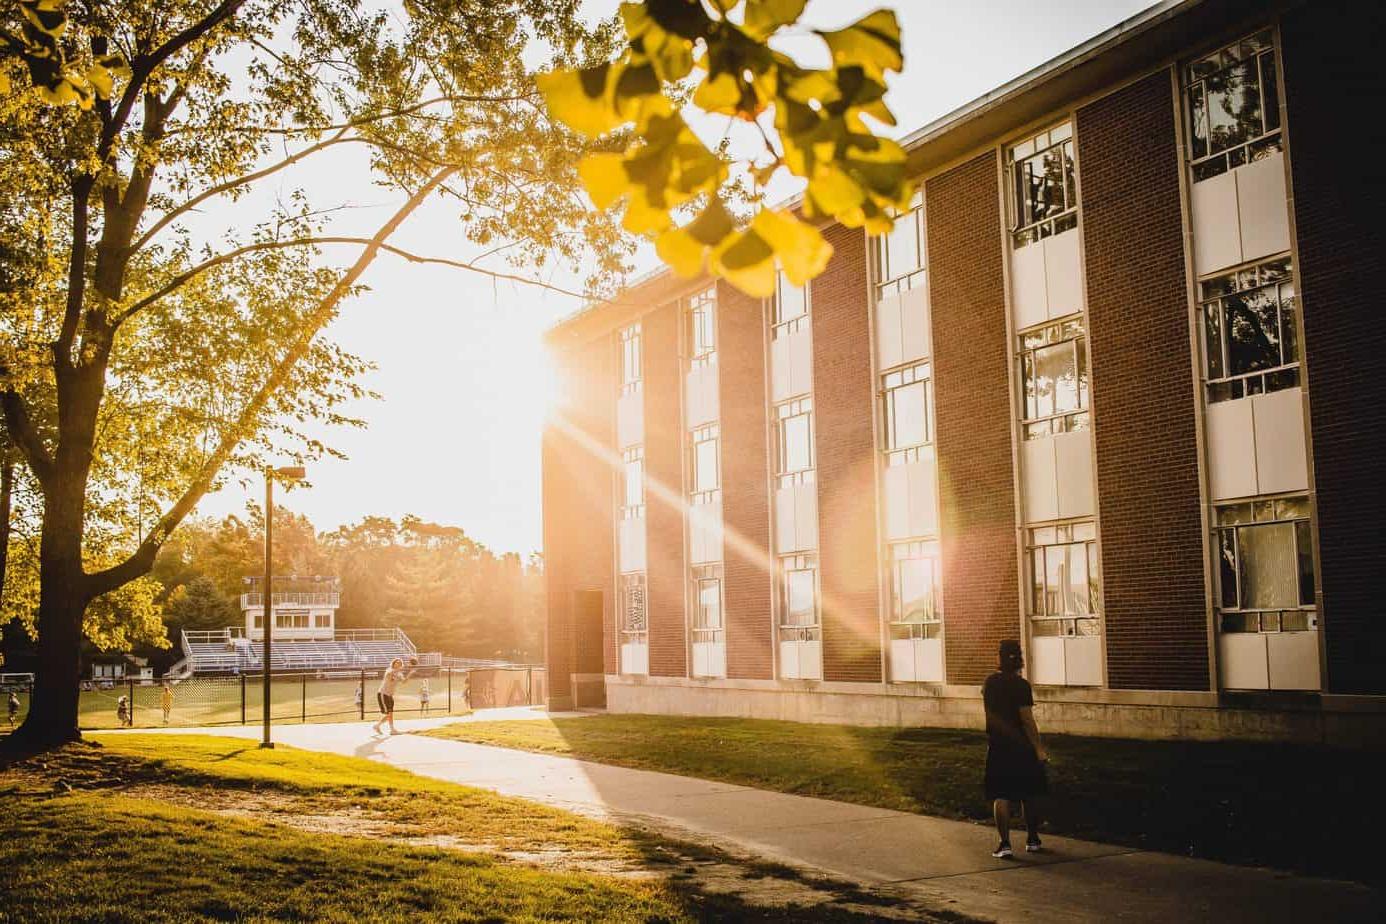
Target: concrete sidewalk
{"x": 946, "y": 862}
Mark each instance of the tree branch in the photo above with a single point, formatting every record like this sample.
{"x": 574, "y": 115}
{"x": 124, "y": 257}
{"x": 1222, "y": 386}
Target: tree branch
{"x": 142, "y": 559}
{"x": 22, "y": 433}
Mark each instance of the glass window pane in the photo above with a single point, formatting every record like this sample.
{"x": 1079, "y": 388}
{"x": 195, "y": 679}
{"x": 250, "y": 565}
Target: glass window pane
{"x": 1094, "y": 580}
{"x": 1198, "y": 122}
{"x": 1253, "y": 331}
{"x": 1270, "y": 97}
{"x": 915, "y": 577}
{"x": 1227, "y": 568}
{"x": 1212, "y": 340}
{"x": 907, "y": 417}
{"x": 710, "y": 604}
{"x": 1305, "y": 553}
{"x": 1055, "y": 576}
{"x": 705, "y": 466}
{"x": 1268, "y": 565}
{"x": 791, "y": 301}
{"x": 799, "y": 598}
{"x": 1056, "y": 379}
{"x": 1288, "y": 333}
{"x": 796, "y": 444}
{"x": 1037, "y": 582}
{"x": 900, "y": 248}
{"x": 1030, "y": 386}
{"x": 1234, "y": 106}
{"x": 1076, "y": 586}
{"x": 635, "y": 483}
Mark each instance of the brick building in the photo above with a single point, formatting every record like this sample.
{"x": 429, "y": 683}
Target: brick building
{"x": 1105, "y": 388}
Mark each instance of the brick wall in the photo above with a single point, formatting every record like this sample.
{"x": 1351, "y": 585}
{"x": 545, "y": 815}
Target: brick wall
{"x": 745, "y": 490}
{"x": 845, "y": 447}
{"x": 1334, "y": 88}
{"x": 577, "y": 498}
{"x": 1144, "y": 411}
{"x": 973, "y": 417}
{"x": 666, "y": 572}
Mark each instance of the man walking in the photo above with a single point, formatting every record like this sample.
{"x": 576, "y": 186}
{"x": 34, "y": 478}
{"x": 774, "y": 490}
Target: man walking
{"x": 1015, "y": 757}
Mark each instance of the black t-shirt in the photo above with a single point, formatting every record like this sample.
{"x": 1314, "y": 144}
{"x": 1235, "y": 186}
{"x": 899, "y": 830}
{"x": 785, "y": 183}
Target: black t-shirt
{"x": 1004, "y": 694}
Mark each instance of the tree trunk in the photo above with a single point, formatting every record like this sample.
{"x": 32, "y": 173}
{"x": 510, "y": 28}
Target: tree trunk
{"x": 52, "y": 718}
{"x": 6, "y": 496}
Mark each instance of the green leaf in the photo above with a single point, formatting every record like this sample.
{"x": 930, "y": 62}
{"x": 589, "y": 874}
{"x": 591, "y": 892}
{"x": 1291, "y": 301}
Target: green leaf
{"x": 871, "y": 43}
{"x": 765, "y": 16}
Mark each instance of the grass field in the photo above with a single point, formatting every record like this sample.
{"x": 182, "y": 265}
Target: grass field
{"x": 153, "y": 828}
{"x": 1291, "y": 807}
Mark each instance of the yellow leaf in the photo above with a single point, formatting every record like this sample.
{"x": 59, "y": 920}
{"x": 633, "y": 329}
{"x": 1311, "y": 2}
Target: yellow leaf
{"x": 746, "y": 261}
{"x": 100, "y": 80}
{"x": 677, "y": 248}
{"x": 4, "y": 84}
{"x": 642, "y": 217}
{"x": 799, "y": 246}
{"x": 833, "y": 190}
{"x": 581, "y": 99}
{"x": 871, "y": 43}
{"x": 604, "y": 176}
{"x": 721, "y": 93}
{"x": 765, "y": 16}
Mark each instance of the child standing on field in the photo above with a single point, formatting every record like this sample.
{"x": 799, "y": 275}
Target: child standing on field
{"x": 423, "y": 694}
{"x": 166, "y": 700}
{"x": 123, "y": 710}
{"x": 13, "y": 707}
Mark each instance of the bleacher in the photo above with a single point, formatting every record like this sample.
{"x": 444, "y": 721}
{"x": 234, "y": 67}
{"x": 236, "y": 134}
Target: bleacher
{"x": 228, "y": 651}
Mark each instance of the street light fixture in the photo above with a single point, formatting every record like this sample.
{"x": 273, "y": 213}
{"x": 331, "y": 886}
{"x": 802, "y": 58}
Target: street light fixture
{"x": 288, "y": 473}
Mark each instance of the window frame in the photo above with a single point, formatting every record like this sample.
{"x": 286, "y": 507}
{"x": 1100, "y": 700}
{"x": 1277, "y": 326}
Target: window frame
{"x": 629, "y": 455}
{"x": 781, "y": 326}
{"x": 891, "y": 280}
{"x": 699, "y": 627}
{"x": 1266, "y": 619}
{"x": 798, "y": 563}
{"x": 1070, "y": 329}
{"x": 700, "y": 316}
{"x": 631, "y": 343}
{"x": 781, "y": 414}
{"x": 632, "y": 588}
{"x": 1064, "y": 536}
{"x": 1270, "y": 140}
{"x": 1287, "y": 374}
{"x": 1020, "y": 153}
{"x": 915, "y": 550}
{"x": 698, "y": 437}
{"x": 897, "y": 380}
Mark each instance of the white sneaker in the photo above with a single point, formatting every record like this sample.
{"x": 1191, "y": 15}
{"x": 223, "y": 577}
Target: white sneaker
{"x": 1034, "y": 846}
{"x": 1002, "y": 852}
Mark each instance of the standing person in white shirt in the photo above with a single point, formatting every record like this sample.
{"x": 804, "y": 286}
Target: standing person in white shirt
{"x": 385, "y": 696}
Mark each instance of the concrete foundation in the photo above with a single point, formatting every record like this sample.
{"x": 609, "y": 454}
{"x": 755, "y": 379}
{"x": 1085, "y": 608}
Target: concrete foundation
{"x": 1356, "y": 722}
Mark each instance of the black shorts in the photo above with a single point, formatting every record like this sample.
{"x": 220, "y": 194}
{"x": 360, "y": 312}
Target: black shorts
{"x": 387, "y": 703}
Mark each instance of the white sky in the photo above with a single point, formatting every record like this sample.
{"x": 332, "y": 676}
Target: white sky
{"x": 463, "y": 378}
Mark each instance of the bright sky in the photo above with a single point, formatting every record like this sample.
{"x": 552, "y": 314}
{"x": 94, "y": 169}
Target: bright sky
{"x": 460, "y": 368}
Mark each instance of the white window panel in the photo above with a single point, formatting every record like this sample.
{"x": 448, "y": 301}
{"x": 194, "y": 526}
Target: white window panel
{"x": 1231, "y": 448}
{"x": 631, "y": 537}
{"x": 1063, "y": 275}
{"x": 890, "y": 344}
{"x": 1262, "y": 208}
{"x": 630, "y": 419}
{"x": 1216, "y": 225}
{"x": 1029, "y": 293}
{"x": 1242, "y": 660}
{"x": 1292, "y": 660}
{"x": 1040, "y": 479}
{"x": 1281, "y": 452}
{"x": 1073, "y": 473}
{"x": 914, "y": 325}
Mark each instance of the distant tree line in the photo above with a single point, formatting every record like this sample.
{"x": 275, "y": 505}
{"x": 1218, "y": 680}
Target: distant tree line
{"x": 449, "y": 592}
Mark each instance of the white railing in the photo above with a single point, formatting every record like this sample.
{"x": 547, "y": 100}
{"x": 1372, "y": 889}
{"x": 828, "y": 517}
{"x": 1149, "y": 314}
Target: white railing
{"x": 292, "y": 598}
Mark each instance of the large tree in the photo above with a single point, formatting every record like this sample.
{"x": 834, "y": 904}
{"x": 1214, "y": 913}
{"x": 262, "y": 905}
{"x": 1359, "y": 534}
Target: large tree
{"x": 145, "y": 355}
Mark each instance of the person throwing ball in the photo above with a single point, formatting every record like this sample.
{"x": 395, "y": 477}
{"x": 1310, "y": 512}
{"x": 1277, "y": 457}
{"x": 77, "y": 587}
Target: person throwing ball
{"x": 385, "y": 696}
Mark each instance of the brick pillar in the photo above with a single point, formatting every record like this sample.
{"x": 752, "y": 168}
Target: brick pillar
{"x": 977, "y": 525}
{"x": 578, "y": 510}
{"x": 1334, "y": 87}
{"x": 1144, "y": 411}
{"x": 846, "y": 447}
{"x": 746, "y": 558}
{"x": 666, "y": 572}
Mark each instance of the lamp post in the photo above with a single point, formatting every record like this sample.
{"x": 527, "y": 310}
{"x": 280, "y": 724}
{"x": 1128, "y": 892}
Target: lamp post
{"x": 293, "y": 472}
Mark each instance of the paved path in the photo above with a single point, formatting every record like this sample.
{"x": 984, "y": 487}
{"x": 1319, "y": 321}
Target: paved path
{"x": 945, "y": 861}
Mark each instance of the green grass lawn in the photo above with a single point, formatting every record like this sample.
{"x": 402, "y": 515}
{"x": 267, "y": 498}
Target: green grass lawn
{"x": 112, "y": 834}
{"x": 1291, "y": 807}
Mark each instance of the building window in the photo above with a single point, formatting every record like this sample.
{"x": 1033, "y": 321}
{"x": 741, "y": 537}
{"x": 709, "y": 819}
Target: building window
{"x": 707, "y": 602}
{"x": 704, "y": 473}
{"x": 702, "y": 329}
{"x": 799, "y": 598}
{"x": 291, "y": 619}
{"x": 1054, "y": 379}
{"x": 1233, "y": 106}
{"x": 790, "y": 308}
{"x": 633, "y": 617}
{"x": 631, "y": 359}
{"x": 1044, "y": 193}
{"x": 1250, "y": 345}
{"x": 633, "y": 483}
{"x": 1065, "y": 590}
{"x": 1265, "y": 566}
{"x": 900, "y": 252}
{"x": 914, "y": 590}
{"x": 794, "y": 442}
{"x": 908, "y": 397}
{"x": 323, "y": 620}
